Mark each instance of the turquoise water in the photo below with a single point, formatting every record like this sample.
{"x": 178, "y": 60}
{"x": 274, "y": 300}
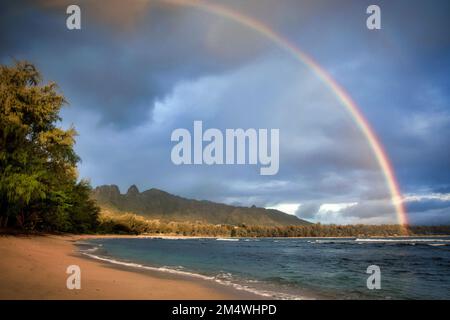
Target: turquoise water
{"x": 295, "y": 268}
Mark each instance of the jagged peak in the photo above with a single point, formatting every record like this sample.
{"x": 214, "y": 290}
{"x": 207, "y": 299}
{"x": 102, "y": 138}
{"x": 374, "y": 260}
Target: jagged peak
{"x": 159, "y": 204}
{"x": 133, "y": 190}
{"x": 112, "y": 188}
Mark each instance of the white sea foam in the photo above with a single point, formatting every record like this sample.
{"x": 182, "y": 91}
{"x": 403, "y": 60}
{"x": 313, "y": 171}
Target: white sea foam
{"x": 222, "y": 278}
{"x": 141, "y": 266}
{"x": 332, "y": 241}
{"x": 227, "y": 239}
{"x": 83, "y": 243}
{"x": 403, "y": 240}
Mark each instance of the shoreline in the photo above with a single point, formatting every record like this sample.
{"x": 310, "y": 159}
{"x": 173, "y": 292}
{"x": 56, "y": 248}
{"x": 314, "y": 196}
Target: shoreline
{"x": 263, "y": 291}
{"x": 249, "y": 292}
{"x": 34, "y": 267}
{"x": 175, "y": 237}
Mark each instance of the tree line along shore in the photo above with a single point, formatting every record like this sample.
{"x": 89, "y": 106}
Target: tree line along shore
{"x": 134, "y": 224}
{"x": 40, "y": 190}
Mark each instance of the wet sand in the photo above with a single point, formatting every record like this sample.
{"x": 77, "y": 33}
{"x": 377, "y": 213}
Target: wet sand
{"x": 34, "y": 267}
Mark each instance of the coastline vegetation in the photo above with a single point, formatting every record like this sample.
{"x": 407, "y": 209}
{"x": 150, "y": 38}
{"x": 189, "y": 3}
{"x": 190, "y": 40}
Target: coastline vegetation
{"x": 40, "y": 190}
{"x": 39, "y": 187}
{"x": 128, "y": 223}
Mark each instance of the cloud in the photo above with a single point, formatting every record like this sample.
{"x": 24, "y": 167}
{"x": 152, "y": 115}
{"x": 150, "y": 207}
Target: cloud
{"x": 428, "y": 208}
{"x": 113, "y": 13}
{"x": 289, "y": 208}
{"x": 313, "y": 165}
{"x": 116, "y": 71}
{"x": 138, "y": 70}
{"x": 307, "y": 210}
{"x": 421, "y": 209}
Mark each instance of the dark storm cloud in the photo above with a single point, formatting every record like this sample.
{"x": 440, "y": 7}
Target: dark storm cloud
{"x": 442, "y": 189}
{"x": 422, "y": 205}
{"x": 139, "y": 69}
{"x": 311, "y": 156}
{"x": 420, "y": 211}
{"x": 402, "y": 86}
{"x": 307, "y": 210}
{"x": 415, "y": 129}
{"x": 117, "y": 71}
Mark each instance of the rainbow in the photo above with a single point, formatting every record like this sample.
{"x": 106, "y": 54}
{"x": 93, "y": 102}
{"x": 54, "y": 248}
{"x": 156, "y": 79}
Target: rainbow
{"x": 344, "y": 98}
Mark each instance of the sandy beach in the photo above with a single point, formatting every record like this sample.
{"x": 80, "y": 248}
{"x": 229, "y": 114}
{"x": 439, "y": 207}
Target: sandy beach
{"x": 34, "y": 267}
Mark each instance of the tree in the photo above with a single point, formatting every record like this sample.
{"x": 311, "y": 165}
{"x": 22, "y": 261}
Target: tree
{"x": 38, "y": 176}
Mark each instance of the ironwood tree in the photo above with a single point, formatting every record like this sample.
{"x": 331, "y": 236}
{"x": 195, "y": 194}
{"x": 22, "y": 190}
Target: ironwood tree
{"x": 39, "y": 187}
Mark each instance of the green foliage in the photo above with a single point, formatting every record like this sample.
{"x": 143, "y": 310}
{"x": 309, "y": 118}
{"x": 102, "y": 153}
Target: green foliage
{"x": 157, "y": 204}
{"x": 39, "y": 188}
{"x": 38, "y": 177}
{"x": 128, "y": 223}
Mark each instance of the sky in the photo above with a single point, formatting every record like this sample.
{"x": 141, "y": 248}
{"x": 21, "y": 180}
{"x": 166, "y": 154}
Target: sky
{"x": 138, "y": 70}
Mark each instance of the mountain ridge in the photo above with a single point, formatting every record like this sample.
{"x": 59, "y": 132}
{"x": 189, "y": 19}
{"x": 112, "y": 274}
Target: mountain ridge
{"x": 159, "y": 204}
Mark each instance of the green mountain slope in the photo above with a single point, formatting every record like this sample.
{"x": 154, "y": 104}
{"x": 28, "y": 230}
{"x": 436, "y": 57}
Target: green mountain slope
{"x": 158, "y": 204}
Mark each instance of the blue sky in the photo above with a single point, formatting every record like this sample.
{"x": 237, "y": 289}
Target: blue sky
{"x": 136, "y": 72}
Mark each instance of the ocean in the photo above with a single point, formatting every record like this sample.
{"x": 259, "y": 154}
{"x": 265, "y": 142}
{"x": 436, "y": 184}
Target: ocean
{"x": 286, "y": 268}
